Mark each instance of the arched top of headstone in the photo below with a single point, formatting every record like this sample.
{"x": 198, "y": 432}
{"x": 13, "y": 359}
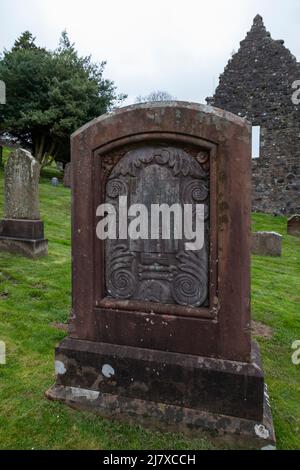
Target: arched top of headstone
{"x": 164, "y": 116}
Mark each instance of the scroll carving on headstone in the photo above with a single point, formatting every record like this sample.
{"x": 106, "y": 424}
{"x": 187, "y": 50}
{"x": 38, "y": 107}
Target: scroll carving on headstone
{"x": 159, "y": 270}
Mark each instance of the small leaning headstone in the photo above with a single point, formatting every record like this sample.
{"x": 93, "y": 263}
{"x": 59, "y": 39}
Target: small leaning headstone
{"x": 22, "y": 230}
{"x": 67, "y": 176}
{"x": 293, "y": 225}
{"x": 266, "y": 244}
{"x": 59, "y": 166}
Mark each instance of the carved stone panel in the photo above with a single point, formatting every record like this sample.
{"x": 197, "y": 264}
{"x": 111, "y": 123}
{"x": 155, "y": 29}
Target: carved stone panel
{"x": 158, "y": 270}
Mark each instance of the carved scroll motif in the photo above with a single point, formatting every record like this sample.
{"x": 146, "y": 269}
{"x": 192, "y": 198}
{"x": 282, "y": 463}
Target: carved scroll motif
{"x": 159, "y": 270}
{"x": 115, "y": 188}
{"x": 121, "y": 281}
{"x": 190, "y": 284}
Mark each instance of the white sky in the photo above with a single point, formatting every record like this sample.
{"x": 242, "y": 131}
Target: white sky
{"x": 177, "y": 46}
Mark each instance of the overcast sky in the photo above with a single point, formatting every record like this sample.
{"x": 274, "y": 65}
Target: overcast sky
{"x": 176, "y": 45}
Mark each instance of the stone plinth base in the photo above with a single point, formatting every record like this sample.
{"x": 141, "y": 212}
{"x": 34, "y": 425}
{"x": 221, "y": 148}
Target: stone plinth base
{"x": 25, "y": 237}
{"x": 167, "y": 391}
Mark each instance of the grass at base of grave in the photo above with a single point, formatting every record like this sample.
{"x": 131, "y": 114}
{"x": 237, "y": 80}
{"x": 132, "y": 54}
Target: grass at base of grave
{"x": 35, "y": 294}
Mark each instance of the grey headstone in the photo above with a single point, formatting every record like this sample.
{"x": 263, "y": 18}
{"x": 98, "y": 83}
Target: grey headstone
{"x": 266, "y": 244}
{"x": 54, "y": 182}
{"x": 67, "y": 176}
{"x": 293, "y": 227}
{"x": 21, "y": 194}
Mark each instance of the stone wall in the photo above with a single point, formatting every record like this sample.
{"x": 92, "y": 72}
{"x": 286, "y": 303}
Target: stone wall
{"x": 257, "y": 84}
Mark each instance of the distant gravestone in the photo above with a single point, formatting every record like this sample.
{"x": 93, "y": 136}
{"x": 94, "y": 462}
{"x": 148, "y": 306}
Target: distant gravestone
{"x": 266, "y": 244}
{"x": 55, "y": 182}
{"x": 161, "y": 334}
{"x": 21, "y": 193}
{"x": 293, "y": 226}
{"x": 67, "y": 176}
{"x": 21, "y": 230}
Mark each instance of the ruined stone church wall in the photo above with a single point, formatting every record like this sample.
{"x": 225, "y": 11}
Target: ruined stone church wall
{"x": 257, "y": 84}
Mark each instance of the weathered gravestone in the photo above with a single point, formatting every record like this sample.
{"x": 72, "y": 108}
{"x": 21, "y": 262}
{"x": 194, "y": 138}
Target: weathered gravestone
{"x": 21, "y": 230}
{"x": 54, "y": 182}
{"x": 266, "y": 244}
{"x": 161, "y": 335}
{"x": 59, "y": 166}
{"x": 293, "y": 226}
{"x": 67, "y": 176}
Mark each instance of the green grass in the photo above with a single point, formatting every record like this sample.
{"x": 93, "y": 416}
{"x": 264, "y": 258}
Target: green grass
{"x": 34, "y": 294}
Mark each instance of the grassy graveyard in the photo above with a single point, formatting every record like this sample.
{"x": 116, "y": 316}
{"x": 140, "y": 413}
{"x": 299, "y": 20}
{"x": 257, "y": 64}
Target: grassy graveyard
{"x": 35, "y": 297}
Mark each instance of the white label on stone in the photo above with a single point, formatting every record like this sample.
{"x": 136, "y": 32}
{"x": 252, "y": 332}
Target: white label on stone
{"x": 2, "y": 353}
{"x": 261, "y": 431}
{"x": 108, "y": 371}
{"x": 60, "y": 368}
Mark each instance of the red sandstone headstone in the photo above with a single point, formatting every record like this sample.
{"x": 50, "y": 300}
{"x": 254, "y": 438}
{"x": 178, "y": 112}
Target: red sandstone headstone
{"x": 159, "y": 335}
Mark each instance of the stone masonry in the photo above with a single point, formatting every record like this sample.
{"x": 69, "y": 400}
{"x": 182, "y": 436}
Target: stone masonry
{"x": 257, "y": 84}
